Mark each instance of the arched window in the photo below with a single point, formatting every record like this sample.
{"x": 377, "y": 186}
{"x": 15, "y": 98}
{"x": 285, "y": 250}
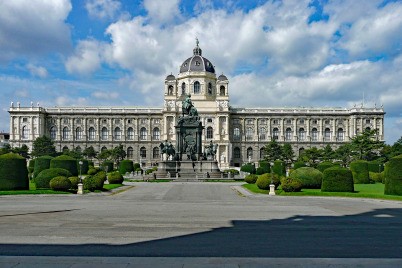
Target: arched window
{"x": 327, "y": 134}
{"x": 249, "y": 133}
{"x": 236, "y": 153}
{"x": 117, "y": 133}
{"x": 65, "y": 149}
{"x": 262, "y": 153}
{"x": 91, "y": 133}
{"x": 78, "y": 133}
{"x": 197, "y": 87}
{"x": 210, "y": 133}
{"x": 340, "y": 134}
{"x": 155, "y": 153}
{"x": 53, "y": 133}
{"x": 209, "y": 88}
{"x": 183, "y": 89}
{"x": 236, "y": 133}
{"x": 105, "y": 134}
{"x": 66, "y": 133}
{"x": 288, "y": 134}
{"x": 25, "y": 132}
{"x": 368, "y": 129}
{"x": 130, "y": 153}
{"x": 263, "y": 134}
{"x": 314, "y": 134}
{"x": 249, "y": 153}
{"x": 143, "y": 133}
{"x": 103, "y": 149}
{"x": 275, "y": 134}
{"x": 170, "y": 90}
{"x": 222, "y": 91}
{"x": 78, "y": 149}
{"x": 143, "y": 152}
{"x": 156, "y": 134}
{"x": 130, "y": 133}
{"x": 302, "y": 134}
{"x": 301, "y": 150}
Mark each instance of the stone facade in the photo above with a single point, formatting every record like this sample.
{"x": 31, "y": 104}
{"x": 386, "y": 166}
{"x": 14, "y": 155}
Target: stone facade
{"x": 240, "y": 132}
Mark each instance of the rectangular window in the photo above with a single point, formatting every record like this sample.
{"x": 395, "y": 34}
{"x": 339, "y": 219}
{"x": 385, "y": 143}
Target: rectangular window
{"x": 24, "y": 119}
{"x": 301, "y": 121}
{"x": 104, "y": 121}
{"x": 288, "y": 121}
{"x": 340, "y": 121}
{"x": 368, "y": 121}
{"x": 156, "y": 121}
{"x": 236, "y": 121}
{"x": 250, "y": 121}
{"x": 129, "y": 121}
{"x": 117, "y": 121}
{"x": 327, "y": 121}
{"x": 276, "y": 121}
{"x": 315, "y": 122}
{"x": 263, "y": 122}
{"x": 209, "y": 120}
{"x": 91, "y": 121}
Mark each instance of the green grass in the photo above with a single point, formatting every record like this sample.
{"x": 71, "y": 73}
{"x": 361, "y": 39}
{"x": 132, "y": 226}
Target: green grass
{"x": 375, "y": 191}
{"x": 108, "y": 187}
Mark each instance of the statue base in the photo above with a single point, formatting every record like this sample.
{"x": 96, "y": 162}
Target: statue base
{"x": 183, "y": 170}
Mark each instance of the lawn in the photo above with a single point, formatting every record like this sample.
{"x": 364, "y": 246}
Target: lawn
{"x": 361, "y": 190}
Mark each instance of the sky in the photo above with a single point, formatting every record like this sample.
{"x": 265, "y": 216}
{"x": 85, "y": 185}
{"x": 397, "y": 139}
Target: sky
{"x": 318, "y": 53}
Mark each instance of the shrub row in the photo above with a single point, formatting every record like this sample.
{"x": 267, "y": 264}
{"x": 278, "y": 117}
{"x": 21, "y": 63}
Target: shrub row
{"x": 13, "y": 172}
{"x": 393, "y": 176}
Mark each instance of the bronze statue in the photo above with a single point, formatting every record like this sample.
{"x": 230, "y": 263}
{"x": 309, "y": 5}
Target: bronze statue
{"x": 210, "y": 150}
{"x": 188, "y": 107}
{"x": 167, "y": 148}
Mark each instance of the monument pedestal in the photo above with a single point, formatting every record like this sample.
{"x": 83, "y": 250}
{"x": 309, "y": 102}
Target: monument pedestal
{"x": 200, "y": 170}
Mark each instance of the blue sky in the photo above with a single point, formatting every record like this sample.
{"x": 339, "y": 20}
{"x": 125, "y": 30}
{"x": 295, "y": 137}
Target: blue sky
{"x": 288, "y": 53}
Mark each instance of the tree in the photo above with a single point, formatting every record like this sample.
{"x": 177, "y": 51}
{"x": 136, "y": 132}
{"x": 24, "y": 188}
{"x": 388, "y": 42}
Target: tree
{"x": 104, "y": 156}
{"x": 344, "y": 153}
{"x": 311, "y": 156}
{"x": 396, "y": 149}
{"x": 73, "y": 153}
{"x": 288, "y": 153}
{"x": 43, "y": 146}
{"x": 118, "y": 154}
{"x": 366, "y": 146}
{"x": 6, "y": 149}
{"x": 90, "y": 153}
{"x": 328, "y": 154}
{"x": 273, "y": 151}
{"x": 22, "y": 151}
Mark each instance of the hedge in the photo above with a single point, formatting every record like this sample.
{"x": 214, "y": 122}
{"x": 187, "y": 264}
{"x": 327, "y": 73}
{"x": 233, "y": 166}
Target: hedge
{"x": 260, "y": 171}
{"x": 251, "y": 178}
{"x": 43, "y": 178}
{"x": 60, "y": 183}
{"x": 377, "y": 177}
{"x": 266, "y": 166}
{"x": 279, "y": 168}
{"x": 337, "y": 179}
{"x": 324, "y": 165}
{"x": 136, "y": 166}
{"x": 95, "y": 182}
{"x": 91, "y": 163}
{"x": 299, "y": 164}
{"x": 264, "y": 181}
{"x": 126, "y": 166}
{"x": 32, "y": 163}
{"x": 360, "y": 172}
{"x": 42, "y": 163}
{"x": 13, "y": 172}
{"x": 375, "y": 166}
{"x": 311, "y": 178}
{"x": 109, "y": 165}
{"x": 248, "y": 168}
{"x": 84, "y": 167}
{"x": 65, "y": 162}
{"x": 291, "y": 184}
{"x": 115, "y": 178}
{"x": 74, "y": 182}
{"x": 385, "y": 172}
{"x": 232, "y": 171}
{"x": 393, "y": 181}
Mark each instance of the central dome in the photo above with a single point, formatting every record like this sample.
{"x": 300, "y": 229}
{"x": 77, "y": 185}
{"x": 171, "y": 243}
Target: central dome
{"x": 197, "y": 63}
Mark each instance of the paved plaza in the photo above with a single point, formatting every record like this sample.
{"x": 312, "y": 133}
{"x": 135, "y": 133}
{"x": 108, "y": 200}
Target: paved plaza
{"x": 198, "y": 225}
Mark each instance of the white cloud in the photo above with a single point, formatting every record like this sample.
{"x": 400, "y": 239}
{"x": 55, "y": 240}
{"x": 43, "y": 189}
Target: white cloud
{"x": 86, "y": 58}
{"x": 162, "y": 11}
{"x": 37, "y": 70}
{"x": 103, "y": 9}
{"x": 106, "y": 95}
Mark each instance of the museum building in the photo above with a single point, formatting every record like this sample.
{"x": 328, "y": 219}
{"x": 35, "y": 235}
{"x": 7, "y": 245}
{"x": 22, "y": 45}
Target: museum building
{"x": 240, "y": 132}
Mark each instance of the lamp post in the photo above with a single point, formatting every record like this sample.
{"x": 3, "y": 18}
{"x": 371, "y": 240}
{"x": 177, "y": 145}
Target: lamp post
{"x": 106, "y": 168}
{"x": 80, "y": 185}
{"x": 272, "y": 185}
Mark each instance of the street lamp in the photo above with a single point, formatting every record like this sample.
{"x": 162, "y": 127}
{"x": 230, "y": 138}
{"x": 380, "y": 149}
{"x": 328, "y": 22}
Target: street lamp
{"x": 379, "y": 168}
{"x": 80, "y": 163}
{"x": 272, "y": 185}
{"x": 80, "y": 185}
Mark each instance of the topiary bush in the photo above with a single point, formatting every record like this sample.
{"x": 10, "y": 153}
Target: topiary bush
{"x": 95, "y": 182}
{"x": 89, "y": 183}
{"x": 264, "y": 181}
{"x": 74, "y": 182}
{"x": 260, "y": 171}
{"x": 393, "y": 181}
{"x": 115, "y": 178}
{"x": 92, "y": 171}
{"x": 279, "y": 168}
{"x": 100, "y": 178}
{"x": 291, "y": 184}
{"x": 251, "y": 178}
{"x": 148, "y": 171}
{"x": 360, "y": 172}
{"x": 248, "y": 168}
{"x": 13, "y": 172}
{"x": 60, "y": 183}
{"x": 91, "y": 163}
{"x": 299, "y": 164}
{"x": 84, "y": 167}
{"x": 337, "y": 179}
{"x": 324, "y": 165}
{"x": 375, "y": 166}
{"x": 43, "y": 178}
{"x": 377, "y": 177}
{"x": 139, "y": 170}
{"x": 41, "y": 163}
{"x": 109, "y": 165}
{"x": 31, "y": 163}
{"x": 65, "y": 162}
{"x": 266, "y": 166}
{"x": 311, "y": 178}
{"x": 126, "y": 166}
{"x": 136, "y": 166}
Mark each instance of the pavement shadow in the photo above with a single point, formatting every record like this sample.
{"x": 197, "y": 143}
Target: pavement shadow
{"x": 375, "y": 234}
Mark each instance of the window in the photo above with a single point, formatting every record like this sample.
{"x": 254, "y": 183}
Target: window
{"x": 276, "y": 121}
{"x": 209, "y": 88}
{"x": 249, "y": 153}
{"x": 105, "y": 134}
{"x": 301, "y": 121}
{"x": 340, "y": 121}
{"x": 65, "y": 121}
{"x": 236, "y": 153}
{"x": 103, "y": 149}
{"x": 91, "y": 121}
{"x": 210, "y": 133}
{"x": 78, "y": 149}
{"x": 262, "y": 153}
{"x": 104, "y": 121}
{"x": 327, "y": 134}
{"x": 368, "y": 121}
{"x": 236, "y": 133}
{"x": 143, "y": 133}
{"x": 368, "y": 129}
{"x": 65, "y": 149}
{"x": 66, "y": 133}
{"x": 130, "y": 133}
{"x": 301, "y": 151}
{"x": 156, "y": 135}
{"x": 236, "y": 121}
{"x": 53, "y": 133}
{"x": 143, "y": 152}
{"x": 130, "y": 153}
{"x": 314, "y": 122}
{"x": 183, "y": 89}
{"x": 156, "y": 121}
{"x": 249, "y": 133}
{"x": 340, "y": 134}
{"x": 25, "y": 119}
{"x": 222, "y": 91}
{"x": 170, "y": 90}
{"x": 91, "y": 133}
{"x": 25, "y": 132}
{"x": 263, "y": 122}
{"x": 314, "y": 134}
{"x": 117, "y": 133}
{"x": 129, "y": 121}
{"x": 327, "y": 121}
{"x": 275, "y": 134}
{"x": 78, "y": 133}
{"x": 288, "y": 134}
{"x": 78, "y": 121}
{"x": 155, "y": 153}
{"x": 143, "y": 121}
{"x": 117, "y": 121}
{"x": 288, "y": 121}
{"x": 209, "y": 120}
{"x": 250, "y": 121}
{"x": 302, "y": 134}
{"x": 263, "y": 133}
{"x": 196, "y": 87}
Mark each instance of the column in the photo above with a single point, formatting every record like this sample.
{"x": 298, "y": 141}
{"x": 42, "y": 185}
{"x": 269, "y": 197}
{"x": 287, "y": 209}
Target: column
{"x": 283, "y": 130}
{"x": 295, "y": 129}
{"x": 269, "y": 134}
{"x": 321, "y": 134}
{"x": 308, "y": 137}
{"x": 333, "y": 130}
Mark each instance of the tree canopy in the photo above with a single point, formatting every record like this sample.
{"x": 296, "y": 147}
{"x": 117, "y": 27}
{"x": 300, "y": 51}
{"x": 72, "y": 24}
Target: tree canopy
{"x": 43, "y": 146}
{"x": 273, "y": 151}
{"x": 366, "y": 146}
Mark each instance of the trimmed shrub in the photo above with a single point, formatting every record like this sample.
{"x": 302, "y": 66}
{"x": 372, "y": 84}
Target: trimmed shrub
{"x": 109, "y": 165}
{"x": 251, "y": 178}
{"x": 95, "y": 182}
{"x": 30, "y": 170}
{"x": 139, "y": 170}
{"x": 248, "y": 168}
{"x": 360, "y": 172}
{"x": 89, "y": 183}
{"x": 98, "y": 169}
{"x": 291, "y": 184}
{"x": 13, "y": 172}
{"x": 136, "y": 166}
{"x": 260, "y": 171}
{"x": 91, "y": 163}
{"x": 100, "y": 179}
{"x": 155, "y": 168}
{"x": 74, "y": 182}
{"x": 148, "y": 171}
{"x": 232, "y": 171}
{"x": 337, "y": 179}
{"x": 375, "y": 166}
{"x": 31, "y": 163}
{"x": 65, "y": 162}
{"x": 299, "y": 164}
{"x": 324, "y": 165}
{"x": 377, "y": 177}
{"x": 266, "y": 166}
{"x": 311, "y": 178}
{"x": 43, "y": 178}
{"x": 264, "y": 181}
{"x": 41, "y": 163}
{"x": 126, "y": 166}
{"x": 385, "y": 172}
{"x": 279, "y": 168}
{"x": 92, "y": 171}
{"x": 84, "y": 167}
{"x": 115, "y": 178}
{"x": 60, "y": 183}
{"x": 393, "y": 182}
